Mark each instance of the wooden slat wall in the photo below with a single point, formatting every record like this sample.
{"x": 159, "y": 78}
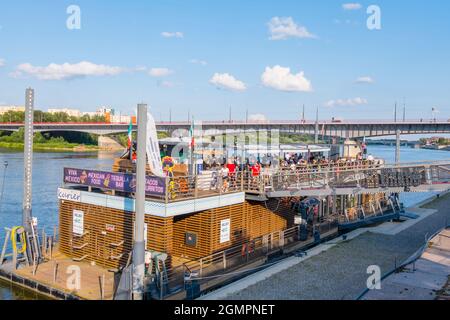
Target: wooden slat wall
{"x": 249, "y": 220}
{"x": 264, "y": 218}
{"x": 198, "y": 224}
{"x": 100, "y": 246}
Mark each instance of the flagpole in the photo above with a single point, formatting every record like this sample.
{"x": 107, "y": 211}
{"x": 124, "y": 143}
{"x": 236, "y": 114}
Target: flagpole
{"x": 191, "y": 143}
{"x": 130, "y": 139}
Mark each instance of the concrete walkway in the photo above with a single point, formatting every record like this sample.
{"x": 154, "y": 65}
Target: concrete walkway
{"x": 421, "y": 280}
{"x": 338, "y": 269}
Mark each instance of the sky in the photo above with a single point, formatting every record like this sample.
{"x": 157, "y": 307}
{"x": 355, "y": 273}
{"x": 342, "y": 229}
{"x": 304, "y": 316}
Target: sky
{"x": 202, "y": 57}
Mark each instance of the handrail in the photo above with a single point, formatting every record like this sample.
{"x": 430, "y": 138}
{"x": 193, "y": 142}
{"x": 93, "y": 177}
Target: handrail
{"x": 318, "y": 176}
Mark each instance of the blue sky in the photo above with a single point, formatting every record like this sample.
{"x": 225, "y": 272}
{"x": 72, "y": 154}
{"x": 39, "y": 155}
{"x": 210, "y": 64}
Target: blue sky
{"x": 326, "y": 48}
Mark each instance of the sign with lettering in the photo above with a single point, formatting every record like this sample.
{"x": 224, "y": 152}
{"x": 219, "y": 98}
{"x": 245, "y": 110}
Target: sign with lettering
{"x": 225, "y": 226}
{"x": 70, "y": 195}
{"x": 78, "y": 222}
{"x": 155, "y": 186}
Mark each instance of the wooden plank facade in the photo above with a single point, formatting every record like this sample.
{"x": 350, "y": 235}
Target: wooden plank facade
{"x": 108, "y": 233}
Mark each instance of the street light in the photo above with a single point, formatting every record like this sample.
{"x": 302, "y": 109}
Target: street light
{"x": 433, "y": 113}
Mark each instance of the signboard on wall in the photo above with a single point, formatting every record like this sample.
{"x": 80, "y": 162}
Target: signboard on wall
{"x": 225, "y": 227}
{"x": 190, "y": 239}
{"x": 70, "y": 195}
{"x": 78, "y": 222}
{"x": 154, "y": 186}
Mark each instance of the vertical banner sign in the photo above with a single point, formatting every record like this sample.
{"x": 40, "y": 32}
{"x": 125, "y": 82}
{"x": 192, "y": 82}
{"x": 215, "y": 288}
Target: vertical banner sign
{"x": 153, "y": 153}
{"x": 225, "y": 230}
{"x": 78, "y": 222}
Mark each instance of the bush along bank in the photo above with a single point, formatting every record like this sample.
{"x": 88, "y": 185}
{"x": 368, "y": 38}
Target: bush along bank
{"x": 45, "y": 142}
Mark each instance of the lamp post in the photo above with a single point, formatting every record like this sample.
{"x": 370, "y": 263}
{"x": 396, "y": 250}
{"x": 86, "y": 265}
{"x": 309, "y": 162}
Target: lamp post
{"x": 139, "y": 224}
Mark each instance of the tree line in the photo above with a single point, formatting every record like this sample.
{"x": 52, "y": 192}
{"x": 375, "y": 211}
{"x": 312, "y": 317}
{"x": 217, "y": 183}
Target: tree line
{"x": 50, "y": 137}
{"x": 42, "y": 116}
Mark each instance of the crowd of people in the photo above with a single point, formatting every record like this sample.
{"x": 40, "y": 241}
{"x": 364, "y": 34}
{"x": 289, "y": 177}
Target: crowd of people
{"x": 293, "y": 162}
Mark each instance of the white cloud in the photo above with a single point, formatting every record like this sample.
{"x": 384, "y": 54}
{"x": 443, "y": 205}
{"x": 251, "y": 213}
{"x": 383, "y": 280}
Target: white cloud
{"x": 2, "y": 62}
{"x": 351, "y": 6}
{"x": 227, "y": 81}
{"x": 66, "y": 71}
{"x": 282, "y": 28}
{"x": 282, "y": 79}
{"x": 200, "y": 62}
{"x": 346, "y": 102}
{"x": 177, "y": 34}
{"x": 160, "y": 72}
{"x": 365, "y": 79}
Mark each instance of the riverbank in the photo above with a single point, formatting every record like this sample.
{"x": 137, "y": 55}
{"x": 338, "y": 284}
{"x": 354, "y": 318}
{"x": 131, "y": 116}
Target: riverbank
{"x": 17, "y": 146}
{"x": 337, "y": 270}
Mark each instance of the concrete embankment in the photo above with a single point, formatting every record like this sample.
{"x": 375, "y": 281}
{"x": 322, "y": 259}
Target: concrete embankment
{"x": 109, "y": 144}
{"x": 338, "y": 269}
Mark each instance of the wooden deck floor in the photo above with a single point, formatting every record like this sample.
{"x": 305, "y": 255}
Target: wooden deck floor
{"x": 90, "y": 277}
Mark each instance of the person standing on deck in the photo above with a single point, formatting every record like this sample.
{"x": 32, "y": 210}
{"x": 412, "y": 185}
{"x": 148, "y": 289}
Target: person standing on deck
{"x": 232, "y": 172}
{"x": 224, "y": 174}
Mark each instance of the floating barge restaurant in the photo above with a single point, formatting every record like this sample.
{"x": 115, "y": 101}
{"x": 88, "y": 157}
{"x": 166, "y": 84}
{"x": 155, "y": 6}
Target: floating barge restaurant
{"x": 198, "y": 228}
{"x": 206, "y": 229}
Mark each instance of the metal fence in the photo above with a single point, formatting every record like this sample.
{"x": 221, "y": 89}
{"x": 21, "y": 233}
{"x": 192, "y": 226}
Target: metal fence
{"x": 220, "y": 266}
{"x": 367, "y": 178}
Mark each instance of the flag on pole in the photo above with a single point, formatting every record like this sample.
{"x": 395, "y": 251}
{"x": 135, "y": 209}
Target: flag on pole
{"x": 130, "y": 137}
{"x": 191, "y": 134}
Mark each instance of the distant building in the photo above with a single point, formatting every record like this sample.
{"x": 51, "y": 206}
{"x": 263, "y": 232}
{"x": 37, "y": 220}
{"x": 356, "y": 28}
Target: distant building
{"x": 5, "y": 109}
{"x": 102, "y": 111}
{"x": 69, "y": 112}
{"x": 105, "y": 110}
{"x": 120, "y": 119}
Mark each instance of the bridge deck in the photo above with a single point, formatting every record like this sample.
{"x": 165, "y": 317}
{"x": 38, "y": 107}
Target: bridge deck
{"x": 343, "y": 129}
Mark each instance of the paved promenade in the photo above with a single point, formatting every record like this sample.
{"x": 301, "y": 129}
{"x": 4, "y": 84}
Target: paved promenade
{"x": 338, "y": 269}
{"x": 425, "y": 279}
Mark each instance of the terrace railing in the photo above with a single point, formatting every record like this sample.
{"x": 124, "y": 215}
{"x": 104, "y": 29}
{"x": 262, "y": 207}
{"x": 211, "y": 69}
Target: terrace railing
{"x": 361, "y": 175}
{"x": 404, "y": 176}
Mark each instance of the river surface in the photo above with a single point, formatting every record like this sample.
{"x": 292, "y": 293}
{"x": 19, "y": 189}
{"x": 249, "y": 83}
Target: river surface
{"x": 48, "y": 174}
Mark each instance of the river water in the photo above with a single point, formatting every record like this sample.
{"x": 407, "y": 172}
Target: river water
{"x": 48, "y": 173}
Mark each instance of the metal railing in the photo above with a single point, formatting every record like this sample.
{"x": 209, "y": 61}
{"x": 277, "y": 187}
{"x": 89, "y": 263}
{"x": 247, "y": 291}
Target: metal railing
{"x": 360, "y": 177}
{"x": 365, "y": 175}
{"x": 191, "y": 187}
{"x": 221, "y": 266}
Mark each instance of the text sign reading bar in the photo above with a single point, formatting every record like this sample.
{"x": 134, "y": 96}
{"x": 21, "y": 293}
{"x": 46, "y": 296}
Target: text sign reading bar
{"x": 155, "y": 186}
